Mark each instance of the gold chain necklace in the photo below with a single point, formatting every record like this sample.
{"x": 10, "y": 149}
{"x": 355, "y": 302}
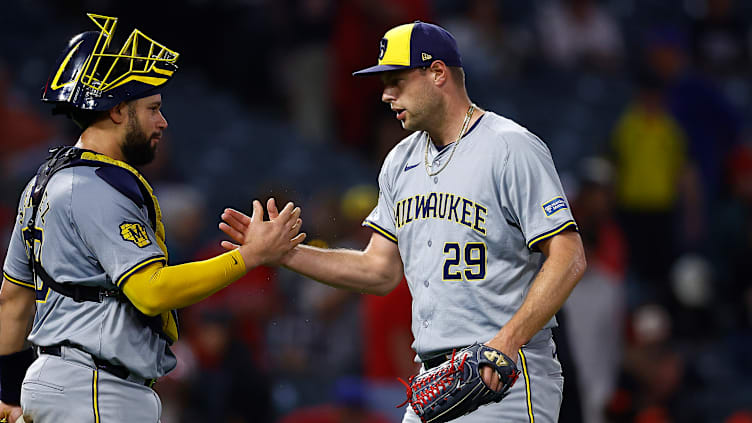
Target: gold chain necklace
{"x": 465, "y": 124}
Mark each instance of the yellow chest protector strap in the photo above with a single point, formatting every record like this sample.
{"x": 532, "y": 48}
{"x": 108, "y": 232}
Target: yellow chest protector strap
{"x": 168, "y": 318}
{"x": 141, "y": 193}
{"x": 147, "y": 193}
{"x": 156, "y": 289}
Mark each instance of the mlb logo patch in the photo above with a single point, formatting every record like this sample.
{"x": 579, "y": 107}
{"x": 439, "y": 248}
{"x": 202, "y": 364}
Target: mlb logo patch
{"x": 553, "y": 206}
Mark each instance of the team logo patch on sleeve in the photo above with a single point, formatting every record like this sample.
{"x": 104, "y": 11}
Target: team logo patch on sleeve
{"x": 553, "y": 206}
{"x": 135, "y": 233}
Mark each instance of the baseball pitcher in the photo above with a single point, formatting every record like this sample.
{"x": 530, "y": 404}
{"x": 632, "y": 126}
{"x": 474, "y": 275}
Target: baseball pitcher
{"x": 471, "y": 209}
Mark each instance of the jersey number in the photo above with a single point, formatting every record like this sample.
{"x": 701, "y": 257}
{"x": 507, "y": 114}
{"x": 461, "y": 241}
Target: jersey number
{"x": 474, "y": 257}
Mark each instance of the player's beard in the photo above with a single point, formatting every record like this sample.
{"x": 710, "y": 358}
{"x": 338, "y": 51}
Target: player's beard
{"x": 136, "y": 147}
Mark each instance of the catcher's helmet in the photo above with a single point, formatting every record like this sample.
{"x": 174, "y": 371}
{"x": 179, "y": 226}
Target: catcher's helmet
{"x": 90, "y": 77}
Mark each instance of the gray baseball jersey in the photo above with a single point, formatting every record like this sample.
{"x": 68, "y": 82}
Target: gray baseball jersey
{"x": 468, "y": 235}
{"x": 93, "y": 235}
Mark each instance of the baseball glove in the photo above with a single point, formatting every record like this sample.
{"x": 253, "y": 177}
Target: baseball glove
{"x": 455, "y": 387}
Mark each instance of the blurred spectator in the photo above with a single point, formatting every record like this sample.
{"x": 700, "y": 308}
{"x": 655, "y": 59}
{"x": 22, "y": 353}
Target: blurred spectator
{"x": 387, "y": 133}
{"x": 653, "y": 373}
{"x": 164, "y": 168}
{"x": 307, "y": 52}
{"x": 228, "y": 386}
{"x": 338, "y": 311}
{"x": 184, "y": 217}
{"x": 719, "y": 40}
{"x": 358, "y": 27}
{"x": 653, "y": 173}
{"x": 492, "y": 48}
{"x": 317, "y": 337}
{"x": 571, "y": 404}
{"x": 21, "y": 128}
{"x": 711, "y": 123}
{"x": 338, "y": 346}
{"x": 25, "y": 137}
{"x": 579, "y": 34}
{"x": 732, "y": 242}
{"x": 174, "y": 388}
{"x": 252, "y": 301}
{"x": 692, "y": 283}
{"x": 348, "y": 406}
{"x": 596, "y": 309}
{"x": 595, "y": 209}
{"x": 387, "y": 340}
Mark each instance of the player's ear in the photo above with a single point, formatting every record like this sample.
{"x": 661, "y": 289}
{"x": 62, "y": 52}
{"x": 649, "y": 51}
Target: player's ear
{"x": 440, "y": 72}
{"x": 119, "y": 113}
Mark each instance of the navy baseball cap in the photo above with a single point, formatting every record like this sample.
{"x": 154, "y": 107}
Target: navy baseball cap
{"x": 415, "y": 45}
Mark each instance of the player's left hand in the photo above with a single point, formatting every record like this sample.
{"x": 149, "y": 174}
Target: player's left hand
{"x": 491, "y": 377}
{"x": 455, "y": 387}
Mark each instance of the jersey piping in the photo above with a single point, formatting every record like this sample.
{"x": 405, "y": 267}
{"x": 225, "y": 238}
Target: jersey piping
{"x": 124, "y": 278}
{"x": 381, "y": 231}
{"x": 566, "y": 225}
{"x": 17, "y": 281}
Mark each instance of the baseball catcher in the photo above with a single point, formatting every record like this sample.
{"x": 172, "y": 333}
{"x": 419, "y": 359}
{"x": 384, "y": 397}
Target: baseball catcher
{"x": 100, "y": 311}
{"x": 455, "y": 387}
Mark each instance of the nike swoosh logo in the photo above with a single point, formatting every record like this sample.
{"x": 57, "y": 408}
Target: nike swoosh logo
{"x": 410, "y": 167}
{"x": 235, "y": 261}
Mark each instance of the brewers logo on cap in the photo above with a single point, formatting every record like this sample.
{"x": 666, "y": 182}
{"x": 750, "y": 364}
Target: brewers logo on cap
{"x": 414, "y": 45}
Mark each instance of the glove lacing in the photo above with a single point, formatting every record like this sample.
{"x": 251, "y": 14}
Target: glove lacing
{"x": 442, "y": 378}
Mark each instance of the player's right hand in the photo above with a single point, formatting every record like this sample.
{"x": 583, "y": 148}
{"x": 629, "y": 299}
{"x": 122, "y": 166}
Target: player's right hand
{"x": 11, "y": 413}
{"x": 263, "y": 242}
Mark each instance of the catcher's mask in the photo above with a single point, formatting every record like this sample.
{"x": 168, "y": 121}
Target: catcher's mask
{"x": 91, "y": 76}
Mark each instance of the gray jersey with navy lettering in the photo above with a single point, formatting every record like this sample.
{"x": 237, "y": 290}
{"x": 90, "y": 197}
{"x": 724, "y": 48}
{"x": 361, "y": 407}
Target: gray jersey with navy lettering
{"x": 92, "y": 235}
{"x": 468, "y": 235}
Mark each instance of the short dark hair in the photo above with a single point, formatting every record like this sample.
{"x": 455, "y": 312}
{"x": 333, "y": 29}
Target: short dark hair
{"x": 458, "y": 75}
{"x": 82, "y": 118}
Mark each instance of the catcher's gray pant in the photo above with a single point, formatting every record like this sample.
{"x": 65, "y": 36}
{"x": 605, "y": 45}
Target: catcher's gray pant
{"x": 534, "y": 398}
{"x": 69, "y": 388}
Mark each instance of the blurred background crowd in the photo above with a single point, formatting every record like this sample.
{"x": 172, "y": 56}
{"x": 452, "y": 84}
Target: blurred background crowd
{"x": 645, "y": 105}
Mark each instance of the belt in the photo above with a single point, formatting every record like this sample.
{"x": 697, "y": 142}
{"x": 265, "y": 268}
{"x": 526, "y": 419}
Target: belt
{"x": 116, "y": 370}
{"x": 432, "y": 362}
{"x": 429, "y": 363}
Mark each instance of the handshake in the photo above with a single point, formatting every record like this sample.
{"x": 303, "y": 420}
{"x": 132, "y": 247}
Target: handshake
{"x": 263, "y": 242}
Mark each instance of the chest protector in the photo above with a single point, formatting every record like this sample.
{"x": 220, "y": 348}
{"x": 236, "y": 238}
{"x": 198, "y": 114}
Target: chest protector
{"x": 113, "y": 172}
